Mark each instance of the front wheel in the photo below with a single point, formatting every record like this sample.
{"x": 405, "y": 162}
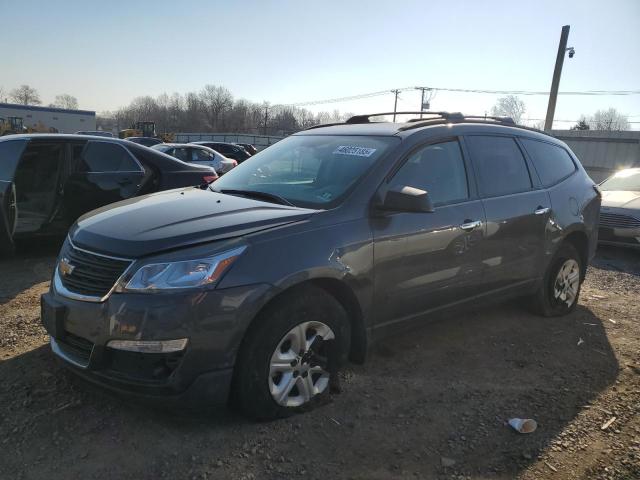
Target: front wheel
{"x": 559, "y": 292}
{"x": 291, "y": 353}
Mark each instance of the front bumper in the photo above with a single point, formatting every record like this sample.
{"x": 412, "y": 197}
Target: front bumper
{"x": 214, "y": 321}
{"x": 623, "y": 237}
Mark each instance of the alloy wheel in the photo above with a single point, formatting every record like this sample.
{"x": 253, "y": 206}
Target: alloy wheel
{"x": 567, "y": 283}
{"x": 298, "y": 367}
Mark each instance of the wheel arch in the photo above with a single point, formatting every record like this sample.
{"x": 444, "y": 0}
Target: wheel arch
{"x": 580, "y": 241}
{"x": 344, "y": 294}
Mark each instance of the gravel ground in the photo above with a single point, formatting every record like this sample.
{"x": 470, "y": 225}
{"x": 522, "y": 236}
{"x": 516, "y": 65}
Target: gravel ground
{"x": 431, "y": 403}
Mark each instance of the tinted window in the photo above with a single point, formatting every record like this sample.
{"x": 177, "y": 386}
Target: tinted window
{"x": 551, "y": 162}
{"x": 438, "y": 169}
{"x": 500, "y": 165}
{"x": 107, "y": 157}
{"x": 181, "y": 154}
{"x": 9, "y": 155}
{"x": 198, "y": 155}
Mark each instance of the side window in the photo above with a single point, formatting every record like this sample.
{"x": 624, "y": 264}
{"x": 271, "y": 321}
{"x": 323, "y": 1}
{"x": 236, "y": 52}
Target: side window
{"x": 9, "y": 155}
{"x": 100, "y": 157}
{"x": 500, "y": 164}
{"x": 552, "y": 163}
{"x": 439, "y": 169}
{"x": 181, "y": 154}
{"x": 198, "y": 155}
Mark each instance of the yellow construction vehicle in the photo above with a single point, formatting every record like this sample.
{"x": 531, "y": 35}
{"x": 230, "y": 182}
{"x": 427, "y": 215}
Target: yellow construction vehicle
{"x": 145, "y": 129}
{"x": 11, "y": 125}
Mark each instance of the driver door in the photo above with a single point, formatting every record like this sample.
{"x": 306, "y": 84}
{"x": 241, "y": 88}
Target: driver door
{"x": 426, "y": 260}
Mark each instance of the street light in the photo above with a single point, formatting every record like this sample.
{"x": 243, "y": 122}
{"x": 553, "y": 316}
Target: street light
{"x": 557, "y": 71}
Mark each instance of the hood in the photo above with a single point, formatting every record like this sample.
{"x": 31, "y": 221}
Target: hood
{"x": 176, "y": 218}
{"x": 621, "y": 199}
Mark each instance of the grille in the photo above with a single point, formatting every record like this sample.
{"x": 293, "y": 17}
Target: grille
{"x": 93, "y": 275}
{"x": 76, "y": 347}
{"x": 616, "y": 220}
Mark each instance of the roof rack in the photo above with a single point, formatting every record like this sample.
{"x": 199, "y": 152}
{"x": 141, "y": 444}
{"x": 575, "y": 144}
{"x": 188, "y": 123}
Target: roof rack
{"x": 434, "y": 118}
{"x": 366, "y": 118}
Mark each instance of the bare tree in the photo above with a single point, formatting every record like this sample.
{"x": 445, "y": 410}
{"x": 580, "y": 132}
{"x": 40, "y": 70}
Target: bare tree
{"x": 216, "y": 101}
{"x": 509, "y": 106}
{"x": 65, "y": 101}
{"x": 3, "y": 94}
{"x": 211, "y": 109}
{"x": 609, "y": 120}
{"x": 25, "y": 95}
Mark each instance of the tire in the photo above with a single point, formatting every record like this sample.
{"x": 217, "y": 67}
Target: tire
{"x": 262, "y": 373}
{"x": 546, "y": 301}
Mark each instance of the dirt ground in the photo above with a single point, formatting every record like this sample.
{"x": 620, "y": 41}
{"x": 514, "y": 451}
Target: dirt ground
{"x": 430, "y": 403}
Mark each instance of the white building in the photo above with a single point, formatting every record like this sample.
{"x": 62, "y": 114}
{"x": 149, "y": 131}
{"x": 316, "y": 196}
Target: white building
{"x": 50, "y": 119}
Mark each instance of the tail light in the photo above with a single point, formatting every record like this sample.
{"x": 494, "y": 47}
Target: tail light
{"x": 209, "y": 178}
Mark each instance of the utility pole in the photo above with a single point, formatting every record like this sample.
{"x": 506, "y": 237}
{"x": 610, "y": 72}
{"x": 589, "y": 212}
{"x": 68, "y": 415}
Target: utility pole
{"x": 266, "y": 117}
{"x": 555, "y": 83}
{"x": 422, "y": 99}
{"x": 395, "y": 104}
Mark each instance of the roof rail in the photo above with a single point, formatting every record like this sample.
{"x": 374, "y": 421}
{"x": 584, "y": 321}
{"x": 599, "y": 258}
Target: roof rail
{"x": 417, "y": 123}
{"x": 366, "y": 118}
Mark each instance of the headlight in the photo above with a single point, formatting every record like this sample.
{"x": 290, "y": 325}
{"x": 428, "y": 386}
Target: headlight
{"x": 184, "y": 274}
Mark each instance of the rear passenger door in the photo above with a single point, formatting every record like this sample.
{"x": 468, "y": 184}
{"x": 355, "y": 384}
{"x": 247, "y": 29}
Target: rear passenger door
{"x": 517, "y": 211}
{"x": 104, "y": 173}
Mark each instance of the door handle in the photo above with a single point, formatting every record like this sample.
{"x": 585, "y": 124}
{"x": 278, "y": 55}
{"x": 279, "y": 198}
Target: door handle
{"x": 541, "y": 210}
{"x": 469, "y": 225}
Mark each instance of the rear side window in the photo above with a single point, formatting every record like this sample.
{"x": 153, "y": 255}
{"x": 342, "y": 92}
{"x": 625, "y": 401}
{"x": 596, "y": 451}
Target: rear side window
{"x": 552, "y": 163}
{"x": 100, "y": 157}
{"x": 438, "y": 169}
{"x": 10, "y": 152}
{"x": 500, "y": 165}
{"x": 198, "y": 155}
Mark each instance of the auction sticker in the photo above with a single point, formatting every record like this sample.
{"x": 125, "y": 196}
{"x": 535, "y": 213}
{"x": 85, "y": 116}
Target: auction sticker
{"x": 357, "y": 151}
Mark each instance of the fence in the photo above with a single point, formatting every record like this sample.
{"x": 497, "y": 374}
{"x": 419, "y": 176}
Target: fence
{"x": 601, "y": 152}
{"x": 259, "y": 141}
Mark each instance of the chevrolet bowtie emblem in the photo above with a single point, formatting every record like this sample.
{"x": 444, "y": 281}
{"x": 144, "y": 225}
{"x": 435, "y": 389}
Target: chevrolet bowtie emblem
{"x": 65, "y": 267}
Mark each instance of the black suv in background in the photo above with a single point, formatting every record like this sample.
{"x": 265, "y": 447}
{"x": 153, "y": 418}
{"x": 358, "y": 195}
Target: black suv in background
{"x": 265, "y": 283}
{"x": 229, "y": 150}
{"x": 48, "y": 181}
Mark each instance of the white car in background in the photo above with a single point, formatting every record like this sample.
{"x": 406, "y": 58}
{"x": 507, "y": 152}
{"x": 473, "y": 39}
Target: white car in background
{"x": 620, "y": 210}
{"x": 198, "y": 155}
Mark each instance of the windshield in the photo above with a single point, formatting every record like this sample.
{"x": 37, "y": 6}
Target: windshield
{"x": 627, "y": 180}
{"x": 313, "y": 171}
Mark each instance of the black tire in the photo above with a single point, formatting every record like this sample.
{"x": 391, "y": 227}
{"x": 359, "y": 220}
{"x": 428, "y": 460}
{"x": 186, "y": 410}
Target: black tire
{"x": 544, "y": 302}
{"x": 250, "y": 389}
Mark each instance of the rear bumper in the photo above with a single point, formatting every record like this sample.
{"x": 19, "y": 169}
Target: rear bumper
{"x": 214, "y": 321}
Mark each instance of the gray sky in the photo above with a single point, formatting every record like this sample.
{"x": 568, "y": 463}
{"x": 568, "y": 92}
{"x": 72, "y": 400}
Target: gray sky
{"x": 106, "y": 53}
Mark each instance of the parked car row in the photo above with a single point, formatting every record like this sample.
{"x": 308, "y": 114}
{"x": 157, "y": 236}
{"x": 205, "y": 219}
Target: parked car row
{"x": 48, "y": 181}
{"x": 261, "y": 285}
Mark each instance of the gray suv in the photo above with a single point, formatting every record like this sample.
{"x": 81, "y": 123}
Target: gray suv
{"x": 260, "y": 286}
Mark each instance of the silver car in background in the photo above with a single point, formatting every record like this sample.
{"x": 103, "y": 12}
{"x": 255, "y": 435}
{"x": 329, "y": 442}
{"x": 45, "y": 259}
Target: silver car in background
{"x": 620, "y": 210}
{"x": 199, "y": 155}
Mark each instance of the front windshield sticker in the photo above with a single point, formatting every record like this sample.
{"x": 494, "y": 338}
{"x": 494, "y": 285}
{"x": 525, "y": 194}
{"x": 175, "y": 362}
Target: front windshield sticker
{"x": 357, "y": 151}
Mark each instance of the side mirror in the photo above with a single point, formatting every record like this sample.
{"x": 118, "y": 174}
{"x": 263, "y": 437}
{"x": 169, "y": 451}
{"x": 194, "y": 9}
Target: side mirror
{"x": 403, "y": 198}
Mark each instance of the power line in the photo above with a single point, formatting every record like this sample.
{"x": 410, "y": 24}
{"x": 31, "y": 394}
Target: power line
{"x": 461, "y": 90}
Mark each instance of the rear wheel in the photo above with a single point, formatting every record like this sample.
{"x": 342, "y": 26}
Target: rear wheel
{"x": 558, "y": 295}
{"x": 287, "y": 360}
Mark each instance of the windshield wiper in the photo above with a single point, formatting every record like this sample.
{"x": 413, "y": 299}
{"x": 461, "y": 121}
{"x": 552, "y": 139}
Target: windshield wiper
{"x": 270, "y": 197}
